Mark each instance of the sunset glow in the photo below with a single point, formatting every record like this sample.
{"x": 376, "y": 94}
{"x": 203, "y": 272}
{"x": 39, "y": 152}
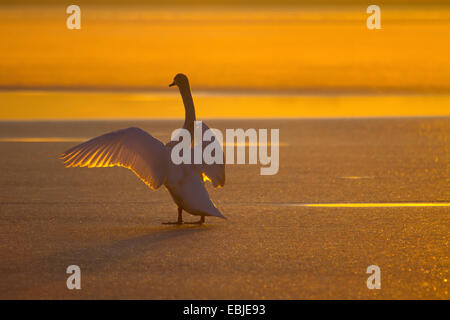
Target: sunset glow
{"x": 296, "y": 59}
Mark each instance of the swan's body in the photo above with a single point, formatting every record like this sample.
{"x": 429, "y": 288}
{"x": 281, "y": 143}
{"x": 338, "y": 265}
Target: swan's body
{"x": 150, "y": 160}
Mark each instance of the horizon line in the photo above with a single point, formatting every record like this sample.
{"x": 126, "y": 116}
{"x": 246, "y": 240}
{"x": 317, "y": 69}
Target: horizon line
{"x": 264, "y": 118}
{"x": 230, "y": 91}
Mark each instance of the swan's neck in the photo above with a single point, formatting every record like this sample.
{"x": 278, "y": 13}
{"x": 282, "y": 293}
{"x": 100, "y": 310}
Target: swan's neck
{"x": 189, "y": 108}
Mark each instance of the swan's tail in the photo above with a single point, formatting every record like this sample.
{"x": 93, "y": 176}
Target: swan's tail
{"x": 216, "y": 213}
{"x": 221, "y": 216}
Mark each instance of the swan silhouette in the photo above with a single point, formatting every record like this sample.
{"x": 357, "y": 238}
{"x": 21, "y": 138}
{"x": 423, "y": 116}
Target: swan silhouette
{"x": 150, "y": 160}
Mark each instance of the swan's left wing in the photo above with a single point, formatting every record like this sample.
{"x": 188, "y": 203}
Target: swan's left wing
{"x": 131, "y": 148}
{"x": 211, "y": 172}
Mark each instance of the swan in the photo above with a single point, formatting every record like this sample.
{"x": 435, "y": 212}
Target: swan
{"x": 150, "y": 160}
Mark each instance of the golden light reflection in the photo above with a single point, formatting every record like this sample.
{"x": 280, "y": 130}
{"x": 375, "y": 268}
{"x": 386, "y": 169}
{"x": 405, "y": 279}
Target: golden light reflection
{"x": 41, "y": 139}
{"x": 373, "y": 205}
{"x": 57, "y": 105}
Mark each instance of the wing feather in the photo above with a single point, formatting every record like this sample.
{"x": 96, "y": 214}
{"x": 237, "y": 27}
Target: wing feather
{"x": 215, "y": 173}
{"x": 131, "y": 148}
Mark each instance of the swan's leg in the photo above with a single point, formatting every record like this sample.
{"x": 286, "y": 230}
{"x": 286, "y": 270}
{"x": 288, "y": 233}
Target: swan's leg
{"x": 180, "y": 218}
{"x": 201, "y": 221}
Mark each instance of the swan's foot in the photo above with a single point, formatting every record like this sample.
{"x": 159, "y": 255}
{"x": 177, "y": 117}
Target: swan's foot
{"x": 201, "y": 221}
{"x": 180, "y": 218}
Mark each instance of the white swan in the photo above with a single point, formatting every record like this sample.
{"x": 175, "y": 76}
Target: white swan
{"x": 150, "y": 160}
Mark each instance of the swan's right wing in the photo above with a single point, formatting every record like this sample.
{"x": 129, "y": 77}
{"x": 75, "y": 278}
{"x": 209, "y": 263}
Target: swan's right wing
{"x": 131, "y": 148}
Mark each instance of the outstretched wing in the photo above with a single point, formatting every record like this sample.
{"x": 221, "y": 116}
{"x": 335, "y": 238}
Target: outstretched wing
{"x": 211, "y": 172}
{"x": 131, "y": 148}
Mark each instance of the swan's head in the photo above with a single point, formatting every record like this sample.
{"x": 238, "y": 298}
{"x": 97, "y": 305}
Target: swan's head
{"x": 180, "y": 80}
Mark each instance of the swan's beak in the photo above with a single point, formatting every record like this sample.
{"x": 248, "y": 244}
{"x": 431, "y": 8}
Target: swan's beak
{"x": 172, "y": 84}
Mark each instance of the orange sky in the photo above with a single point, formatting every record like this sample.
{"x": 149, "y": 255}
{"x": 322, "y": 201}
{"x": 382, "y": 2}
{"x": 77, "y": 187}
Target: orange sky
{"x": 278, "y": 49}
{"x": 266, "y": 51}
